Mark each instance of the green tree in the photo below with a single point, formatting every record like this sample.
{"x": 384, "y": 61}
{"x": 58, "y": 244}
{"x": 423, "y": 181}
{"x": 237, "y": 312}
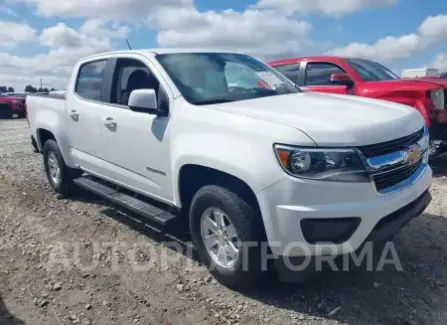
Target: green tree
{"x": 30, "y": 89}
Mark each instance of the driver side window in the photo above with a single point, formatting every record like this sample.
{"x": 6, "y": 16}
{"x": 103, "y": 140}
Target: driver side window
{"x": 319, "y": 73}
{"x": 131, "y": 75}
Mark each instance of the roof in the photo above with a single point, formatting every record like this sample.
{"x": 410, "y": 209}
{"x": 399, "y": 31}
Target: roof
{"x": 155, "y": 51}
{"x": 311, "y": 58}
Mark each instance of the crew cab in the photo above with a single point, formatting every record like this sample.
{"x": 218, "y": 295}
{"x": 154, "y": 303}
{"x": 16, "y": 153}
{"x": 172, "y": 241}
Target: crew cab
{"x": 10, "y": 105}
{"x": 360, "y": 77}
{"x": 223, "y": 143}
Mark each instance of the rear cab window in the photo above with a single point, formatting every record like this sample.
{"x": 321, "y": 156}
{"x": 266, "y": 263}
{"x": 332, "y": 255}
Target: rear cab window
{"x": 90, "y": 80}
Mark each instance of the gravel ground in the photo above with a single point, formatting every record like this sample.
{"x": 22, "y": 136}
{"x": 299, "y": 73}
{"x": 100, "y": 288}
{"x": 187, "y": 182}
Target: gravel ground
{"x": 67, "y": 261}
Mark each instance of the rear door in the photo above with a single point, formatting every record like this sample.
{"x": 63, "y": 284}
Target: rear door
{"x": 316, "y": 76}
{"x": 84, "y": 106}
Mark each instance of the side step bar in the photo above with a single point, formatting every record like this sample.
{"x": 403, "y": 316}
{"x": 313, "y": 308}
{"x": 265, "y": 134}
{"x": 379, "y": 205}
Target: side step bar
{"x": 126, "y": 201}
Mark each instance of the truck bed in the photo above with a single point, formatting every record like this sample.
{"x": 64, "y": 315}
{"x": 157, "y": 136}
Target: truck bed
{"x": 55, "y": 95}
{"x": 44, "y": 110}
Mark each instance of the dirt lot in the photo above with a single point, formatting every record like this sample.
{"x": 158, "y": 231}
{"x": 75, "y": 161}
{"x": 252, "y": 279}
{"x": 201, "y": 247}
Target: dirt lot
{"x": 69, "y": 262}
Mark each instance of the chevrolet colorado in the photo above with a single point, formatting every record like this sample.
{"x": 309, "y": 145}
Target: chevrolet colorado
{"x": 165, "y": 134}
{"x": 367, "y": 78}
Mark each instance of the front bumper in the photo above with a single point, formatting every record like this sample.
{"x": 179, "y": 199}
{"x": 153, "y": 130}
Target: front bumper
{"x": 285, "y": 204}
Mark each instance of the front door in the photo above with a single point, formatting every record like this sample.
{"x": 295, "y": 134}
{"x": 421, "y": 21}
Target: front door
{"x": 136, "y": 144}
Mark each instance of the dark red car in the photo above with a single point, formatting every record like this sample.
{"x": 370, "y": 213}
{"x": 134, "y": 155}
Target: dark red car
{"x": 12, "y": 104}
{"x": 367, "y": 78}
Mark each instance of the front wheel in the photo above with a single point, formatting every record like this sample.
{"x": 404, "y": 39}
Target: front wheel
{"x": 227, "y": 233}
{"x": 6, "y": 112}
{"x": 59, "y": 175}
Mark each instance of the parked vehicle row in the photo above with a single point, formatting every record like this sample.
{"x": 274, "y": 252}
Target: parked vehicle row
{"x": 11, "y": 104}
{"x": 366, "y": 78}
{"x": 229, "y": 146}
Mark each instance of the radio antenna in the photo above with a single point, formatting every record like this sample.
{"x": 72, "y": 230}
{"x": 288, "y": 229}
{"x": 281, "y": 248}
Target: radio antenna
{"x": 128, "y": 44}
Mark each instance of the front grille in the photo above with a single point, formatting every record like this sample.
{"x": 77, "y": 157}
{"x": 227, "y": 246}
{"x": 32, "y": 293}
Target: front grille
{"x": 383, "y": 148}
{"x": 393, "y": 177}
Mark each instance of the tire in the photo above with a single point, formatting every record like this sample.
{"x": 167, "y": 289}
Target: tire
{"x": 52, "y": 153}
{"x": 6, "y": 112}
{"x": 247, "y": 268}
{"x": 22, "y": 115}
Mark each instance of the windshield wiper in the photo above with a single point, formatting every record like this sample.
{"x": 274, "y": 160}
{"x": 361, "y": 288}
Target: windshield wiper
{"x": 214, "y": 101}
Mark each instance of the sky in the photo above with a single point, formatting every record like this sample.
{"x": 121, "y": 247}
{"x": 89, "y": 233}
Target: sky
{"x": 42, "y": 39}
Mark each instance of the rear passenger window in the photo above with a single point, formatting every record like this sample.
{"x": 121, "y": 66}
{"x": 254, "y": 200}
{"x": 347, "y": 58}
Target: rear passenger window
{"x": 291, "y": 71}
{"x": 90, "y": 80}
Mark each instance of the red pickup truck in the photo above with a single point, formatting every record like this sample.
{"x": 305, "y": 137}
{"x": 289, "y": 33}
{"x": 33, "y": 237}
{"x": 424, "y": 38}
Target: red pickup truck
{"x": 10, "y": 105}
{"x": 367, "y": 78}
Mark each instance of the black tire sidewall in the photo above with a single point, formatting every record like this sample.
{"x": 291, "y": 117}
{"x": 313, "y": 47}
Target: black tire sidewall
{"x": 247, "y": 268}
{"x": 6, "y": 112}
{"x": 64, "y": 185}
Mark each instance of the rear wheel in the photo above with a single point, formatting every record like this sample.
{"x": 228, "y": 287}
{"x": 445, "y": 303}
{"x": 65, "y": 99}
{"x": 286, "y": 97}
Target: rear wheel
{"x": 5, "y": 111}
{"x": 227, "y": 234}
{"x": 59, "y": 175}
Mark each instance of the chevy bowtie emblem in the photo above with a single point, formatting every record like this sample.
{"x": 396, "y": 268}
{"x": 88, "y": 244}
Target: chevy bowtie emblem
{"x": 412, "y": 154}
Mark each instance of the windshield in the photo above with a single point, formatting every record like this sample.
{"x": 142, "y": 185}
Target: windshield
{"x": 371, "y": 71}
{"x": 212, "y": 78}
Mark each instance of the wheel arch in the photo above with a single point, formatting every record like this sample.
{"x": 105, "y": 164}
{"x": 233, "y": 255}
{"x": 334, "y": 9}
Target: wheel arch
{"x": 192, "y": 177}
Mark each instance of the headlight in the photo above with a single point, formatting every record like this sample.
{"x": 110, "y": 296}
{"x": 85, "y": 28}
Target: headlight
{"x": 337, "y": 165}
{"x": 437, "y": 97}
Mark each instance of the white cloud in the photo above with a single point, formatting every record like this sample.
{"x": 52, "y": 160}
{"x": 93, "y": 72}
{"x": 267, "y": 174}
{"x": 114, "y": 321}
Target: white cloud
{"x": 434, "y": 27}
{"x": 13, "y": 33}
{"x": 440, "y": 62}
{"x": 91, "y": 34}
{"x": 432, "y": 30}
{"x": 66, "y": 45}
{"x": 104, "y": 9}
{"x": 327, "y": 7}
{"x": 265, "y": 33}
{"x": 385, "y": 49}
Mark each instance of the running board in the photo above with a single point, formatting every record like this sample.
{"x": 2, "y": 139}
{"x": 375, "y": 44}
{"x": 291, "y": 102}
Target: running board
{"x": 114, "y": 195}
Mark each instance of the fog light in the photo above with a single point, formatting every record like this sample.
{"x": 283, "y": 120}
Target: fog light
{"x": 334, "y": 231}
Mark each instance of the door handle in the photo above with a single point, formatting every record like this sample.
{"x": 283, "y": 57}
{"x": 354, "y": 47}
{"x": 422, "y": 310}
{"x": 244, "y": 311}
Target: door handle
{"x": 110, "y": 122}
{"x": 74, "y": 115}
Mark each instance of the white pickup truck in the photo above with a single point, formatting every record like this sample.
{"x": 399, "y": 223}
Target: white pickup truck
{"x": 223, "y": 140}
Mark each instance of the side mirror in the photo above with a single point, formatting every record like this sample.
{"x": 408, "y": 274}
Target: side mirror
{"x": 143, "y": 100}
{"x": 341, "y": 78}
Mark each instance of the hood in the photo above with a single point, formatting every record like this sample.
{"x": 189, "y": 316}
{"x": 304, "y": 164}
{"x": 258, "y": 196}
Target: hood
{"x": 11, "y": 98}
{"x": 401, "y": 85}
{"x": 332, "y": 120}
{"x": 433, "y": 80}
